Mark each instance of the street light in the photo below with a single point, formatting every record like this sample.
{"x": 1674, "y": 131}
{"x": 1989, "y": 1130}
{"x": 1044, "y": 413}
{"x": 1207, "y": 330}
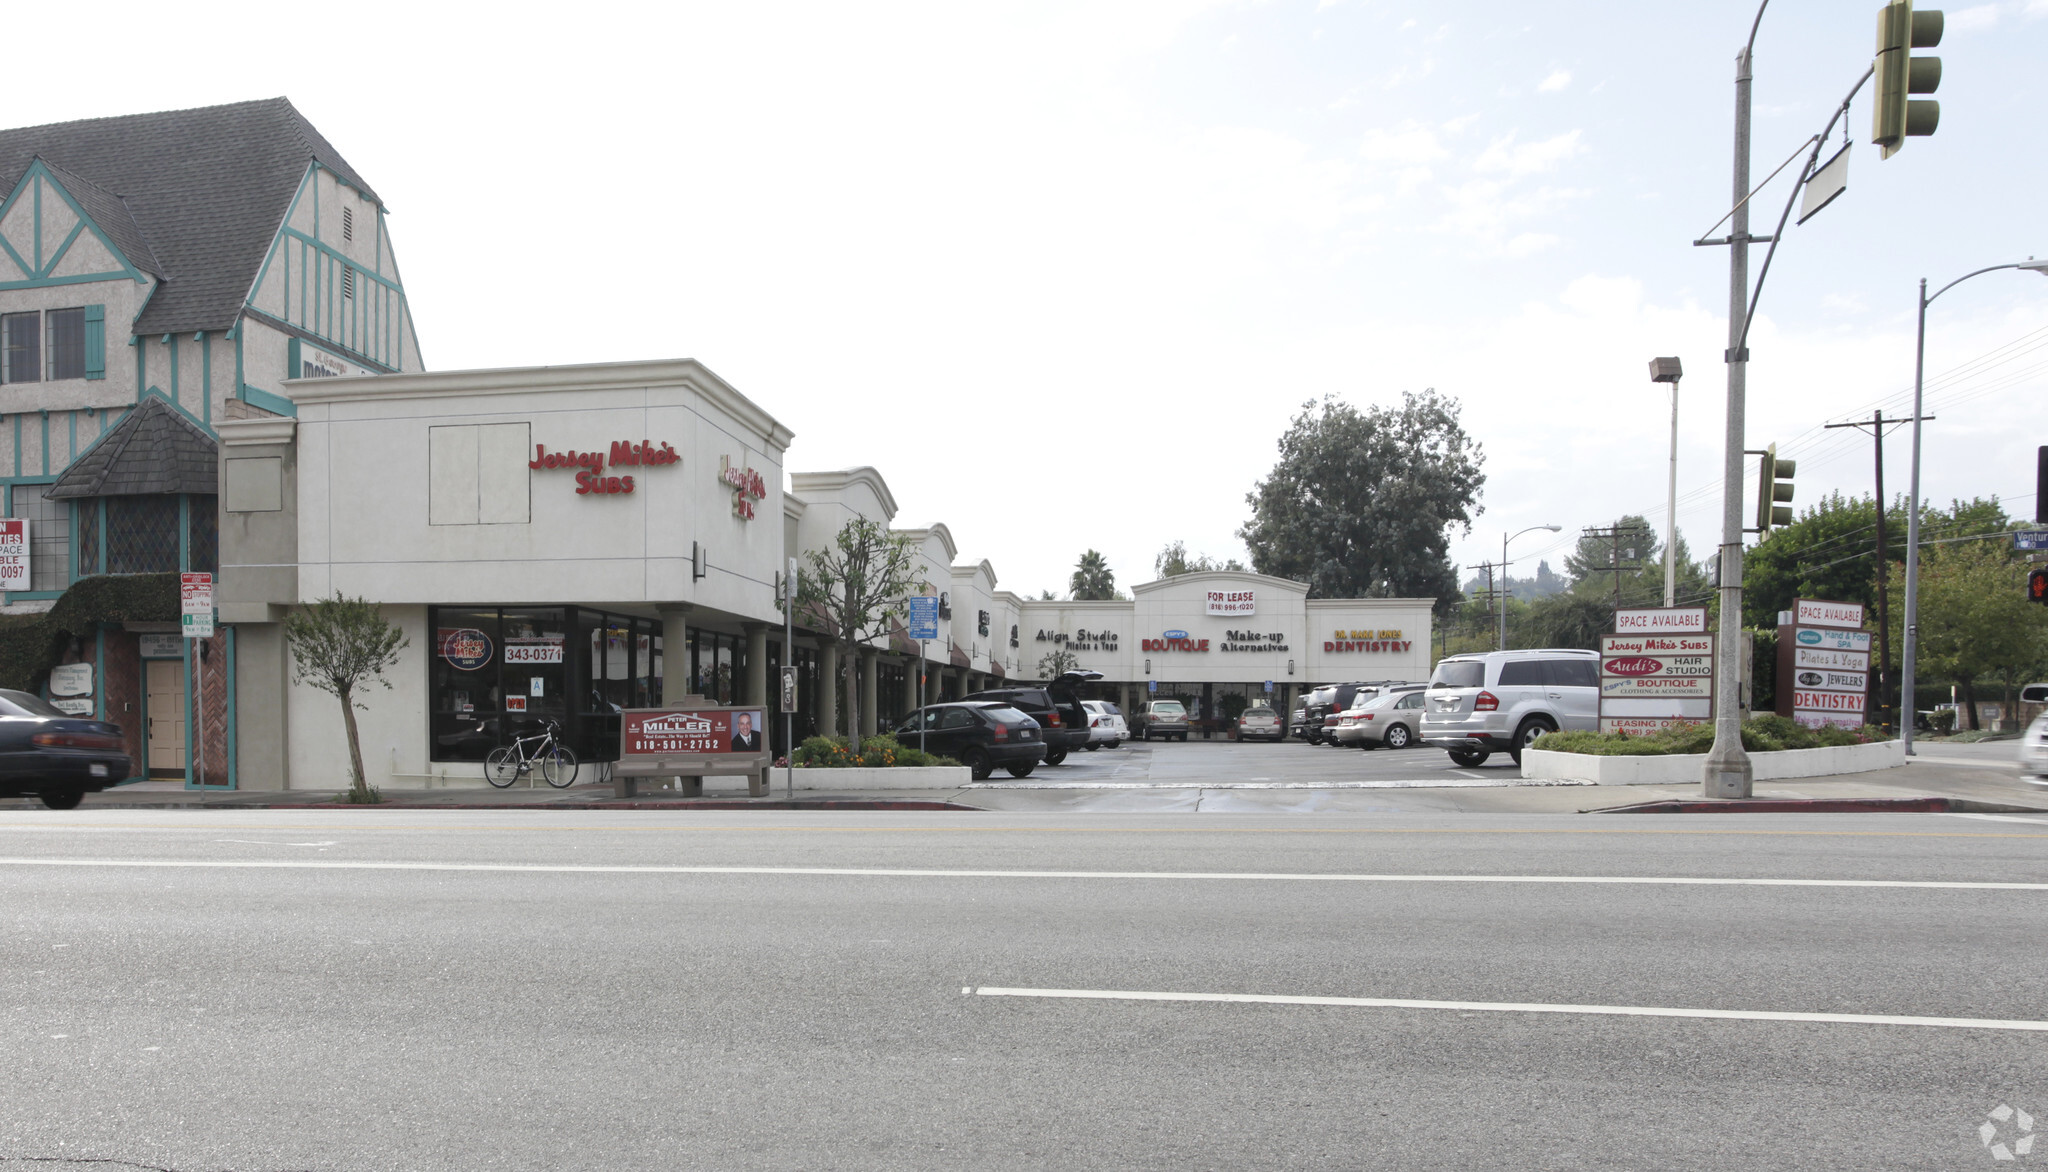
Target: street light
{"x": 1670, "y": 370}
{"x": 1505, "y": 538}
{"x": 1911, "y": 705}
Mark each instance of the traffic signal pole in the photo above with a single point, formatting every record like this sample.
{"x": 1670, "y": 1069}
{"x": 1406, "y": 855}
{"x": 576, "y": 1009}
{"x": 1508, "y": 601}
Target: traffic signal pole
{"x": 1727, "y": 772}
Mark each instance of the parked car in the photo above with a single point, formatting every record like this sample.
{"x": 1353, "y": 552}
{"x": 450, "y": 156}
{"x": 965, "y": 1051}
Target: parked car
{"x": 1320, "y": 702}
{"x": 2034, "y": 751}
{"x": 1390, "y": 716}
{"x": 51, "y": 755}
{"x": 1297, "y": 725}
{"x": 1502, "y": 700}
{"x": 1329, "y": 701}
{"x": 1105, "y": 724}
{"x": 1056, "y": 706}
{"x": 1260, "y": 723}
{"x": 980, "y": 734}
{"x": 1164, "y": 719}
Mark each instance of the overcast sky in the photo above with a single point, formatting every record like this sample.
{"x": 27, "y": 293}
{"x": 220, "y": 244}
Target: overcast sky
{"x": 1062, "y": 272}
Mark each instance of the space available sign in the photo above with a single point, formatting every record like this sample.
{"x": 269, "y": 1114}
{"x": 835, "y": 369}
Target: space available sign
{"x": 1233, "y": 602}
{"x": 1813, "y": 612}
{"x": 1661, "y": 620}
{"x": 1652, "y": 681}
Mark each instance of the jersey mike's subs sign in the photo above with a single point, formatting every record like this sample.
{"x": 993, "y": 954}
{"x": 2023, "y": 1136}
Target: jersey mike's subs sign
{"x": 1657, "y": 672}
{"x": 591, "y": 478}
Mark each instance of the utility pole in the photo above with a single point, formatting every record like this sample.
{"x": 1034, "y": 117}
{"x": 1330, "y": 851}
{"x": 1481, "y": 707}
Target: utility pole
{"x": 1494, "y": 599}
{"x": 1877, "y": 425}
{"x": 1613, "y": 535}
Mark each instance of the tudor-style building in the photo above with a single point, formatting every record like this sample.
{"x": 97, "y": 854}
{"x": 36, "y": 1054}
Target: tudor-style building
{"x": 161, "y": 273}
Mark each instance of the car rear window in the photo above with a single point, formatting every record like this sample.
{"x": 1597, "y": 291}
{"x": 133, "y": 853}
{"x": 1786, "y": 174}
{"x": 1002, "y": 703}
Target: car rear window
{"x": 1459, "y": 673}
{"x": 1168, "y": 708}
{"x": 13, "y": 703}
{"x": 1006, "y": 715}
{"x": 1572, "y": 673}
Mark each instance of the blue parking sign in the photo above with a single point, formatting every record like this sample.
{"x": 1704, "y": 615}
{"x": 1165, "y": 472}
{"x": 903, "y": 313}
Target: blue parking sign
{"x": 924, "y": 619}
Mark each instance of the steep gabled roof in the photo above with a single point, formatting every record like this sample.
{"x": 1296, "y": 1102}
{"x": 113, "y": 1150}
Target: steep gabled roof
{"x": 206, "y": 190}
{"x": 154, "y": 450}
{"x": 110, "y": 212}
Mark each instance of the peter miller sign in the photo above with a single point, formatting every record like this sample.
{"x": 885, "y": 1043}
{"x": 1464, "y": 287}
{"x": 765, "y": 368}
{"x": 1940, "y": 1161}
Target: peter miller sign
{"x": 1233, "y": 602}
{"x": 716, "y": 731}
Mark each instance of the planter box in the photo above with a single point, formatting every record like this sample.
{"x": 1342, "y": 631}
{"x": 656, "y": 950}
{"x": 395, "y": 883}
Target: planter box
{"x": 936, "y": 777}
{"x": 1685, "y": 769}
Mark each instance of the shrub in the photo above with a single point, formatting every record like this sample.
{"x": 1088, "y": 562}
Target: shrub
{"x": 878, "y": 752}
{"x": 1943, "y": 720}
{"x": 1760, "y": 734}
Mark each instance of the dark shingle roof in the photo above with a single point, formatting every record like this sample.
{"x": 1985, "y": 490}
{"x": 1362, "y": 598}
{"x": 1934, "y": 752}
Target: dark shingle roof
{"x": 111, "y": 213}
{"x": 154, "y": 450}
{"x": 205, "y": 189}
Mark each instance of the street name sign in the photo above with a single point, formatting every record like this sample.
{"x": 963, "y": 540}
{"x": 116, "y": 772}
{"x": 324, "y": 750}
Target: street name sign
{"x": 2030, "y": 539}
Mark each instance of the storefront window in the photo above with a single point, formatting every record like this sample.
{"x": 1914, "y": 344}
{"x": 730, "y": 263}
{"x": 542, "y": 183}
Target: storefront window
{"x": 498, "y": 673}
{"x": 716, "y": 661}
{"x": 463, "y": 678}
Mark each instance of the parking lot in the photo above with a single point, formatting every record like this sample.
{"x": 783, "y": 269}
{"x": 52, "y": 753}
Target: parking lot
{"x": 1221, "y": 762}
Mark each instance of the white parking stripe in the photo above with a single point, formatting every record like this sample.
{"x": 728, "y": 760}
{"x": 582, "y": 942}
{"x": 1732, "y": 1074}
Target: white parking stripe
{"x": 2002, "y": 818}
{"x": 934, "y": 873}
{"x": 1959, "y": 1023}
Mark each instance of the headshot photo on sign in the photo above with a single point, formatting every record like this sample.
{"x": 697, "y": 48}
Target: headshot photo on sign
{"x": 745, "y": 738}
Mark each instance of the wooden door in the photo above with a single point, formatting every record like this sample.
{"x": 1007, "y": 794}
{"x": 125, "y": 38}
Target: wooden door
{"x": 165, "y": 682}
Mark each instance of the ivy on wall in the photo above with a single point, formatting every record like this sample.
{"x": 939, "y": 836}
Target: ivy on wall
{"x": 32, "y": 644}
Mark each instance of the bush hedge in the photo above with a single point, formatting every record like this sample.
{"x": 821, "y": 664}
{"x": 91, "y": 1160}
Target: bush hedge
{"x": 876, "y": 752}
{"x": 1760, "y": 734}
{"x": 32, "y": 644}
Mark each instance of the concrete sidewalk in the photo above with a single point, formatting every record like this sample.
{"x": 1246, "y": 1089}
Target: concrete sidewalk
{"x": 1986, "y": 781}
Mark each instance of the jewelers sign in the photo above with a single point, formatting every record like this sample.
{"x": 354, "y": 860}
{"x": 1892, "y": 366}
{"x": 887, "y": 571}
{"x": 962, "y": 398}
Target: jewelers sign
{"x": 1652, "y": 681}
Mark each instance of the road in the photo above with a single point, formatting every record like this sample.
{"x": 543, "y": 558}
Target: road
{"x": 256, "y": 991}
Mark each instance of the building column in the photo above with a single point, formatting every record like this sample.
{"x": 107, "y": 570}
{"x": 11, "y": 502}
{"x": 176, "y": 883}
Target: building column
{"x": 910, "y": 699}
{"x": 828, "y": 689}
{"x": 869, "y": 689}
{"x": 757, "y": 664}
{"x": 934, "y": 682}
{"x": 675, "y": 650}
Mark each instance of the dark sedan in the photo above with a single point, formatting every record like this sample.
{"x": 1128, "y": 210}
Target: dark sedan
{"x": 54, "y": 756}
{"x": 980, "y": 734}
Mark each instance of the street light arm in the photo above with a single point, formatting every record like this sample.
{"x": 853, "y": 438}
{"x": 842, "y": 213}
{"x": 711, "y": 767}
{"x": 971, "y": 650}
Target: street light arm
{"x": 2035, "y": 265}
{"x": 1754, "y": 25}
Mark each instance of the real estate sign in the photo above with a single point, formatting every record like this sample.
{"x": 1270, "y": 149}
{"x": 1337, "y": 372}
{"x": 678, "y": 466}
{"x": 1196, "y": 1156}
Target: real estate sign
{"x": 13, "y": 553}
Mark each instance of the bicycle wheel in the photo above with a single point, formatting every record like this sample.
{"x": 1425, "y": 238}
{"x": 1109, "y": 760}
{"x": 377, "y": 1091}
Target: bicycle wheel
{"x": 558, "y": 767}
{"x": 501, "y": 768}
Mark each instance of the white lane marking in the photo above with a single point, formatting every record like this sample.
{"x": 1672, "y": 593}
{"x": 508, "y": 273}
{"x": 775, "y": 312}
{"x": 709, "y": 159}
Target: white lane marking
{"x": 258, "y": 842}
{"x": 933, "y": 873}
{"x": 1960, "y": 1023}
{"x": 2003, "y": 818}
{"x": 1444, "y": 782}
{"x": 1978, "y": 762}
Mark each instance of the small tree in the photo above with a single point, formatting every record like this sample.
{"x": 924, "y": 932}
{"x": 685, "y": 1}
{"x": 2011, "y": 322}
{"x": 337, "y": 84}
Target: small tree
{"x": 856, "y": 587}
{"x": 1057, "y": 662}
{"x": 341, "y": 645}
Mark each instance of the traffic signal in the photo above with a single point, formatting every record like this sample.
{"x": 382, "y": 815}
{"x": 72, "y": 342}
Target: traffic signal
{"x": 1898, "y": 73}
{"x": 1774, "y": 485}
{"x": 2037, "y": 585}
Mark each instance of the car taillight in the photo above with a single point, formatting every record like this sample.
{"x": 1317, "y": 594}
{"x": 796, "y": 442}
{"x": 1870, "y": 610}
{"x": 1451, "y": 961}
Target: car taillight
{"x": 1053, "y": 719}
{"x": 1485, "y": 702}
{"x": 75, "y": 740}
{"x": 1368, "y": 716}
{"x": 1002, "y": 732}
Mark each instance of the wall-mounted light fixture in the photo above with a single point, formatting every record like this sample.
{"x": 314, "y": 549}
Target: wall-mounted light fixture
{"x": 1290, "y": 667}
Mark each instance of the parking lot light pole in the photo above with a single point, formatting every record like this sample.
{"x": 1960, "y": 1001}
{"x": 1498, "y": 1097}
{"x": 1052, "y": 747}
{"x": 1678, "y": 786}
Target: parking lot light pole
{"x": 1912, "y": 619}
{"x": 1503, "y": 598}
{"x": 1670, "y": 370}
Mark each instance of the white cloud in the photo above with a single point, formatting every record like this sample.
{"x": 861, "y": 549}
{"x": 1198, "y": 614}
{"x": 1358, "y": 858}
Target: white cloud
{"x": 1411, "y": 144}
{"x": 1411, "y": 73}
{"x": 1556, "y": 82}
{"x": 1982, "y": 16}
{"x": 1528, "y": 158}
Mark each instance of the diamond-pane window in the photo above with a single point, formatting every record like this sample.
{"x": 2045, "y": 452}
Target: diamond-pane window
{"x": 204, "y": 543}
{"x": 88, "y": 537}
{"x": 142, "y": 534}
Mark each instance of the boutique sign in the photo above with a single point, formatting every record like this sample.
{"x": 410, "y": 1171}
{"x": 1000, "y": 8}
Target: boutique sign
{"x": 591, "y": 480}
{"x": 1174, "y": 641}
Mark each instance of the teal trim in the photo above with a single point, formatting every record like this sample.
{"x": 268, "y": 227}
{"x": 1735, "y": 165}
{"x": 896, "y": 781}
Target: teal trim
{"x": 72, "y": 576}
{"x": 294, "y": 360}
{"x": 233, "y": 747}
{"x": 46, "y": 443}
{"x": 95, "y": 341}
{"x": 101, "y": 505}
{"x": 275, "y": 404}
{"x": 277, "y": 247}
{"x": 337, "y": 257}
{"x": 73, "y": 449}
{"x": 39, "y": 273}
{"x": 141, "y": 345}
{"x": 317, "y": 343}
{"x": 65, "y": 247}
{"x": 205, "y": 377}
{"x": 185, "y": 657}
{"x": 284, "y": 247}
{"x": 303, "y": 278}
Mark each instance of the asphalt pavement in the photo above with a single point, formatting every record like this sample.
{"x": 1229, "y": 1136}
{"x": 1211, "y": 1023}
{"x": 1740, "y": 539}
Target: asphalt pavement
{"x": 259, "y": 990}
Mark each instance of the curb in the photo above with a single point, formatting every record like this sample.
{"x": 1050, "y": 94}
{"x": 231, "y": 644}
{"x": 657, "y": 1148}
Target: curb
{"x": 1819, "y": 806}
{"x": 674, "y": 804}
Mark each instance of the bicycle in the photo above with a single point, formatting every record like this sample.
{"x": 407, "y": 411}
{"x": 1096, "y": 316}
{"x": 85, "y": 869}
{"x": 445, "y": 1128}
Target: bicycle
{"x": 556, "y": 760}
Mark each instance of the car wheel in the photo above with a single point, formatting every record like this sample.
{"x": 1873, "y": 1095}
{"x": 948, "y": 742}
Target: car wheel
{"x": 978, "y": 764}
{"x": 62, "y": 799}
{"x": 1092, "y": 746}
{"x": 1183, "y": 738}
{"x": 1469, "y": 759}
{"x": 1023, "y": 770}
{"x": 1055, "y": 756}
{"x": 1397, "y": 736}
{"x": 1114, "y": 744}
{"x": 1526, "y": 735}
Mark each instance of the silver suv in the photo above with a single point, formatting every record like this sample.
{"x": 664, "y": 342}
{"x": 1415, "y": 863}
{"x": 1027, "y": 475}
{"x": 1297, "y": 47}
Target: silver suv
{"x": 1502, "y": 700}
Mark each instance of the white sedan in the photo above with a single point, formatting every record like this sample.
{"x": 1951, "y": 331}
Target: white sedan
{"x": 2034, "y": 750}
{"x": 1105, "y": 725}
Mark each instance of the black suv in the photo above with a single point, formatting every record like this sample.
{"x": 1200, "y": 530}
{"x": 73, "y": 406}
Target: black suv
{"x": 1057, "y": 709}
{"x": 980, "y": 735}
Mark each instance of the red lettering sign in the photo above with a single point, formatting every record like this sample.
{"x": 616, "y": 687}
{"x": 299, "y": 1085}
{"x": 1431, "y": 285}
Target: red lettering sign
{"x": 592, "y": 481}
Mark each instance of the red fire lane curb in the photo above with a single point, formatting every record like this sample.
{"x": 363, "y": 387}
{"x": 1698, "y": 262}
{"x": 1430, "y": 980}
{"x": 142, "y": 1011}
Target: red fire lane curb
{"x": 1927, "y": 805}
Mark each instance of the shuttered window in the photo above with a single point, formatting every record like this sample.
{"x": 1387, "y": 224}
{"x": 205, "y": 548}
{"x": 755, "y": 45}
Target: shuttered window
{"x": 95, "y": 341}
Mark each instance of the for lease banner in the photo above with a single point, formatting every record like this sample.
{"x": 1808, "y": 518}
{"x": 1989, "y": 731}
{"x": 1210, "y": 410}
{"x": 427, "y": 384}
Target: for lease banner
{"x": 1237, "y": 602}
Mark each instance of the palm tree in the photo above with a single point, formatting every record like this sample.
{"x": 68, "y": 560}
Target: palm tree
{"x": 1093, "y": 581}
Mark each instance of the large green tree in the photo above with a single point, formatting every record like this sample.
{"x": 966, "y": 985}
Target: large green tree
{"x": 1830, "y": 551}
{"x": 1976, "y": 625}
{"x": 1093, "y": 580}
{"x": 1361, "y": 503}
{"x": 854, "y": 589}
{"x": 1175, "y": 560}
